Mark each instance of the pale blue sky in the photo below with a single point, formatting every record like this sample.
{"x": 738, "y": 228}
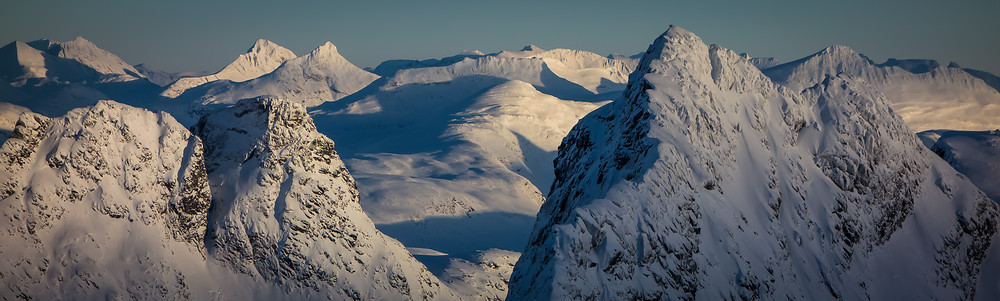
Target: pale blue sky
{"x": 205, "y": 35}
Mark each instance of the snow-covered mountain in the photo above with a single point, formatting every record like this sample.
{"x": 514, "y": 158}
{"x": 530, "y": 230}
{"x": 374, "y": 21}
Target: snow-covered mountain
{"x": 21, "y": 64}
{"x": 112, "y": 201}
{"x": 262, "y": 58}
{"x": 928, "y": 96}
{"x": 78, "y": 60}
{"x": 110, "y": 66}
{"x": 455, "y": 167}
{"x": 320, "y": 76}
{"x": 976, "y": 154}
{"x": 52, "y": 78}
{"x": 389, "y": 68}
{"x": 286, "y": 209}
{"x": 707, "y": 181}
{"x": 106, "y": 202}
{"x": 564, "y": 73}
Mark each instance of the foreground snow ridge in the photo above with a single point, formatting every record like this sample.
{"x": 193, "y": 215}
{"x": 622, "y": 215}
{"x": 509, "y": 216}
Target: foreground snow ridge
{"x": 107, "y": 202}
{"x": 707, "y": 181}
{"x": 113, "y": 202}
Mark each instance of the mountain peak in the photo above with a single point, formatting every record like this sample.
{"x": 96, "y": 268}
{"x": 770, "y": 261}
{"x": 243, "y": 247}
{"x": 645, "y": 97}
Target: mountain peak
{"x": 675, "y": 31}
{"x": 532, "y": 47}
{"x": 80, "y": 39}
{"x": 262, "y": 44}
{"x": 641, "y": 206}
{"x": 673, "y": 37}
{"x": 326, "y": 48}
{"x": 838, "y": 49}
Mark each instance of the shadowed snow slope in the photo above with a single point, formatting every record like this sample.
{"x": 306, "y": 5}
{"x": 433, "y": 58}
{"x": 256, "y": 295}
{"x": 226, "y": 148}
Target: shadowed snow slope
{"x": 974, "y": 154}
{"x": 285, "y": 208}
{"x": 706, "y": 181}
{"x": 74, "y": 61}
{"x": 262, "y": 58}
{"x": 465, "y": 156}
{"x": 935, "y": 98}
{"x": 320, "y": 76}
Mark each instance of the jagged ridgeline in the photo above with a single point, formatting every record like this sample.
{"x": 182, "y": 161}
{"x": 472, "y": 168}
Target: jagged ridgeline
{"x": 116, "y": 202}
{"x": 286, "y": 209}
{"x": 107, "y": 201}
{"x": 707, "y": 181}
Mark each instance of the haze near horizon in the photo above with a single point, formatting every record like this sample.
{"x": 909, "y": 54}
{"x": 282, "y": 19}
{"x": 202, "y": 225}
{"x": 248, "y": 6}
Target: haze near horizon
{"x": 187, "y": 35}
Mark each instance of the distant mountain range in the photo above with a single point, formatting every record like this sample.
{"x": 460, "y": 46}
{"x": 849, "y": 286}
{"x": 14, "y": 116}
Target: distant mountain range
{"x": 687, "y": 172}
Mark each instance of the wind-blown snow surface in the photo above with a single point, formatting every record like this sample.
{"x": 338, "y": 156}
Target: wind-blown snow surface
{"x": 286, "y": 209}
{"x": 707, "y": 181}
{"x": 262, "y": 58}
{"x": 320, "y": 76}
{"x": 976, "y": 154}
{"x": 938, "y": 98}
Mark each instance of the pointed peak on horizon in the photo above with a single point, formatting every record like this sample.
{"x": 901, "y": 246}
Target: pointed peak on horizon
{"x": 327, "y": 47}
{"x": 677, "y": 31}
{"x": 261, "y": 45}
{"x": 838, "y": 49}
{"x": 532, "y": 47}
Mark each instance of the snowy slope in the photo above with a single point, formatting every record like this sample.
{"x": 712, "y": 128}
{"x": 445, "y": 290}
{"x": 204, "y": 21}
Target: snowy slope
{"x": 21, "y": 64}
{"x": 564, "y": 73}
{"x": 976, "y": 154}
{"x": 706, "y": 181}
{"x": 52, "y": 78}
{"x": 485, "y": 278}
{"x": 163, "y": 78}
{"x": 262, "y": 58}
{"x": 455, "y": 167}
{"x": 105, "y": 202}
{"x": 389, "y": 68}
{"x": 286, "y": 208}
{"x": 937, "y": 98}
{"x": 320, "y": 76}
{"x": 110, "y": 66}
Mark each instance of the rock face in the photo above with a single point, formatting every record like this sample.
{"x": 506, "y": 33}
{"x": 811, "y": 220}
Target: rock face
{"x": 927, "y": 95}
{"x": 101, "y": 203}
{"x": 706, "y": 181}
{"x": 285, "y": 208}
{"x": 262, "y": 58}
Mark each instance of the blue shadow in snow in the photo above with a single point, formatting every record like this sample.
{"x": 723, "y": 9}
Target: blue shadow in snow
{"x": 462, "y": 236}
